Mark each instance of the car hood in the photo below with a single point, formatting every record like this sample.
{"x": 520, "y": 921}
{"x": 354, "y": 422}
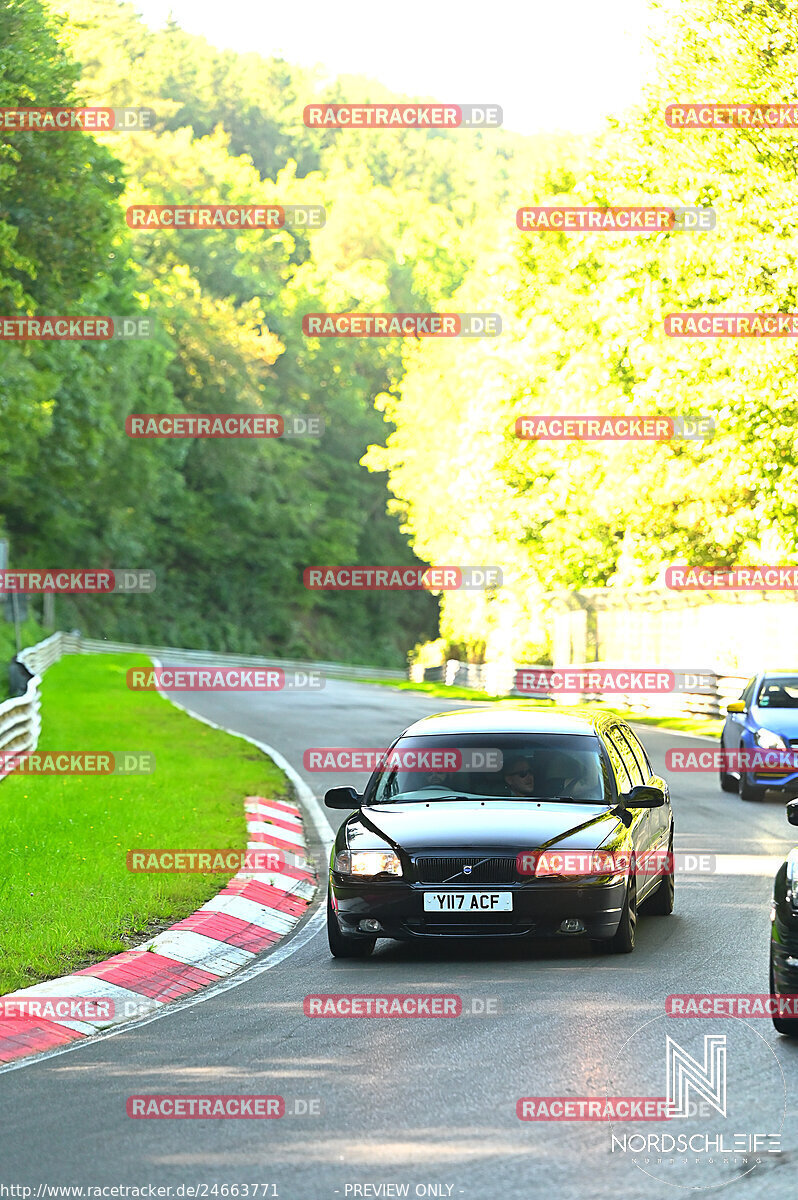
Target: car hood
{"x": 509, "y": 826}
{"x": 780, "y": 720}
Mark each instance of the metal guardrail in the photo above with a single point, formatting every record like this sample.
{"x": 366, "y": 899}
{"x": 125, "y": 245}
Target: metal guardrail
{"x": 331, "y": 670}
{"x": 41, "y": 656}
{"x": 20, "y": 717}
{"x": 709, "y": 699}
{"x": 20, "y": 721}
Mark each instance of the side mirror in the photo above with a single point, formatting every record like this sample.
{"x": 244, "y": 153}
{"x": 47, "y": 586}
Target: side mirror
{"x": 342, "y": 797}
{"x": 736, "y": 706}
{"x": 644, "y": 796}
{"x": 792, "y": 812}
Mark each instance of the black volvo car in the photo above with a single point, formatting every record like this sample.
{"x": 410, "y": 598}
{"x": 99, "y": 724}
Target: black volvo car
{"x": 507, "y": 822}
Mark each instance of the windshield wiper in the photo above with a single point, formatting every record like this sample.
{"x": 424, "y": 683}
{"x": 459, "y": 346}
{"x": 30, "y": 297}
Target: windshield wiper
{"x": 404, "y": 798}
{"x": 560, "y": 800}
{"x": 407, "y": 799}
{"x": 573, "y": 800}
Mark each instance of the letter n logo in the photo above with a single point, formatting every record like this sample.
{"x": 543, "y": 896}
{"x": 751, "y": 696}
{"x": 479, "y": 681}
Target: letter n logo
{"x": 684, "y": 1073}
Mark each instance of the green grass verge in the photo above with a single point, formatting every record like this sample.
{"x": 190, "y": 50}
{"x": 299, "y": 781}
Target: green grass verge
{"x": 705, "y": 726}
{"x": 30, "y": 631}
{"x": 66, "y": 896}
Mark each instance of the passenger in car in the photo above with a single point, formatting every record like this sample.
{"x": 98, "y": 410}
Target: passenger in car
{"x": 572, "y": 776}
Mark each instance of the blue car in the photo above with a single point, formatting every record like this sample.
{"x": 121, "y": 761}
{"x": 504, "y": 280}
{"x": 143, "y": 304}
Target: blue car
{"x": 764, "y": 718}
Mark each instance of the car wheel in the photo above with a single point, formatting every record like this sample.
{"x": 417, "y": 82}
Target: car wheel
{"x": 728, "y": 783}
{"x": 788, "y": 1025}
{"x": 750, "y": 791}
{"x": 343, "y": 946}
{"x": 661, "y": 903}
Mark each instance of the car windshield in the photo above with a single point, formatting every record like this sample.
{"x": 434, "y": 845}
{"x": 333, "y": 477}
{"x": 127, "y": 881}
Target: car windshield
{"x": 521, "y": 766}
{"x": 778, "y": 691}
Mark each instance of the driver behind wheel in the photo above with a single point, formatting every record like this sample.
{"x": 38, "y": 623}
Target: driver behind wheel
{"x": 519, "y": 776}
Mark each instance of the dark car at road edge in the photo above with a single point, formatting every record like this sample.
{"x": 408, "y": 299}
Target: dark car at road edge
{"x": 784, "y": 932}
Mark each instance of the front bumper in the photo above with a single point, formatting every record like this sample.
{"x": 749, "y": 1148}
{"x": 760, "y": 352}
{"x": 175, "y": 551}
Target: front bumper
{"x": 539, "y": 909}
{"x": 778, "y": 780}
{"x": 787, "y": 783}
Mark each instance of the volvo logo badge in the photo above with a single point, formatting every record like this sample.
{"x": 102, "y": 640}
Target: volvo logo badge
{"x": 467, "y": 870}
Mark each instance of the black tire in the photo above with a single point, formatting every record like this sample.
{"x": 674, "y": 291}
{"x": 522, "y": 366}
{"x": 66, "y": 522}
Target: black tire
{"x": 342, "y": 946}
{"x": 728, "y": 783}
{"x": 660, "y": 904}
{"x": 786, "y": 1025}
{"x": 623, "y": 941}
{"x": 750, "y": 791}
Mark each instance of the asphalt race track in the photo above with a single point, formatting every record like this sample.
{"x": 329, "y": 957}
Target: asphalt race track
{"x": 425, "y": 1106}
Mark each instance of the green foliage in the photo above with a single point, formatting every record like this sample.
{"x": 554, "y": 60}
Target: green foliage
{"x": 227, "y": 526}
{"x": 415, "y": 220}
{"x": 584, "y": 335}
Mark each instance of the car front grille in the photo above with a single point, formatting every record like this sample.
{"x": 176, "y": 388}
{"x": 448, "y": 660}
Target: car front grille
{"x": 496, "y": 869}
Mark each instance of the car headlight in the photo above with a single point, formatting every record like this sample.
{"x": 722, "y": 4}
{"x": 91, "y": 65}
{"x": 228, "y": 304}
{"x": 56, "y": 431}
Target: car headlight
{"x": 365, "y": 864}
{"x": 769, "y": 740}
{"x": 576, "y": 864}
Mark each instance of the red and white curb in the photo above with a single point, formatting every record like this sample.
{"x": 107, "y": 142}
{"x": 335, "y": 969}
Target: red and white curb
{"x": 255, "y": 910}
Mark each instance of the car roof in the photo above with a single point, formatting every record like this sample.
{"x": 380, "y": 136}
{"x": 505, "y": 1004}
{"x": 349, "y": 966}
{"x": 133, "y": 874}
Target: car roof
{"x": 511, "y": 718}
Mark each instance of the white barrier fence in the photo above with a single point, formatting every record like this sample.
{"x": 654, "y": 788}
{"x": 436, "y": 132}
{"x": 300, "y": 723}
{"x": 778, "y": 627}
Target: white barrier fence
{"x": 20, "y": 719}
{"x": 696, "y": 693}
{"x": 331, "y": 670}
{"x": 41, "y": 656}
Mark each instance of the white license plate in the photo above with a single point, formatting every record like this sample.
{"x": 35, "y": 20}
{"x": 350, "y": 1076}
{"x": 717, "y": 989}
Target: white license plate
{"x": 468, "y": 902}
